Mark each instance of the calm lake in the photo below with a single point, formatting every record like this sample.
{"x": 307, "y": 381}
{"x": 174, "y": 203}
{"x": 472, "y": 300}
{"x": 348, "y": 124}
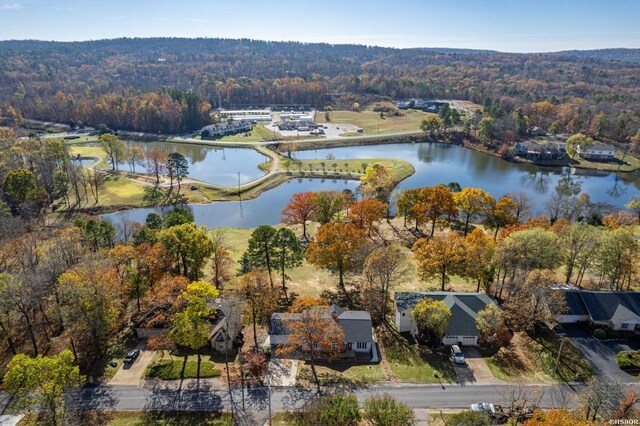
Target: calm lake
{"x": 434, "y": 163}
{"x": 219, "y": 166}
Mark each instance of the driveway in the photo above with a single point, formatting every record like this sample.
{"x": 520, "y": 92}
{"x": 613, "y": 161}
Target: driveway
{"x": 474, "y": 370}
{"x": 131, "y": 375}
{"x": 282, "y": 372}
{"x": 602, "y": 355}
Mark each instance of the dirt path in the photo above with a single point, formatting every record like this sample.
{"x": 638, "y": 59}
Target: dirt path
{"x": 385, "y": 365}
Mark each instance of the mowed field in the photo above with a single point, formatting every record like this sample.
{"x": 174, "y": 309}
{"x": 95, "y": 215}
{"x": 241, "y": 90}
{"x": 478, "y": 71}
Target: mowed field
{"x": 310, "y": 280}
{"x": 371, "y": 122}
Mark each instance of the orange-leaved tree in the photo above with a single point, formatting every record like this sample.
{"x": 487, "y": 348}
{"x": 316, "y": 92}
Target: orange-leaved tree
{"x": 299, "y": 210}
{"x": 260, "y": 299}
{"x": 479, "y": 249}
{"x": 365, "y": 213}
{"x": 471, "y": 203}
{"x": 336, "y": 248}
{"x": 314, "y": 332}
{"x": 439, "y": 256}
{"x": 437, "y": 204}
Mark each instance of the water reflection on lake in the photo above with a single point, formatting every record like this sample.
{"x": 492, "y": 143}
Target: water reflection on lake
{"x": 434, "y": 163}
{"x": 246, "y": 214}
{"x": 219, "y": 166}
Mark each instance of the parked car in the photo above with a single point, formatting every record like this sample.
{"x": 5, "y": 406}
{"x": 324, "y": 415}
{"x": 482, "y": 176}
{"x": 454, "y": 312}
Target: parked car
{"x": 457, "y": 355}
{"x": 484, "y": 407}
{"x": 131, "y": 356}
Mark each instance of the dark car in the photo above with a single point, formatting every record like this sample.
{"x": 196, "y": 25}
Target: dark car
{"x": 131, "y": 356}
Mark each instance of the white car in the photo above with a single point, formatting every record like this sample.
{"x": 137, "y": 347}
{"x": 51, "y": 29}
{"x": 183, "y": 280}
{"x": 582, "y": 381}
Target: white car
{"x": 457, "y": 355}
{"x": 483, "y": 407}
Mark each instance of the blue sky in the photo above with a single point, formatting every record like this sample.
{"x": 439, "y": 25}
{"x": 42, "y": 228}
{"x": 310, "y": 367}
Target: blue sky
{"x": 506, "y": 25}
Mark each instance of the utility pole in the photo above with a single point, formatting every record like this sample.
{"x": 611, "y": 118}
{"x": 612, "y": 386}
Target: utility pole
{"x": 555, "y": 370}
{"x": 269, "y": 390}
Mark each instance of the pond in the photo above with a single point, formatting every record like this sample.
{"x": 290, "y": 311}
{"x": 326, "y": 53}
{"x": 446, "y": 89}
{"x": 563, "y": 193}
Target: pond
{"x": 434, "y": 163}
{"x": 443, "y": 163}
{"x": 215, "y": 165}
{"x": 242, "y": 214}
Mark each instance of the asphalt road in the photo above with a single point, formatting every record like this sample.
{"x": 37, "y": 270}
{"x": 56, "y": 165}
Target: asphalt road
{"x": 121, "y": 397}
{"x": 602, "y": 355}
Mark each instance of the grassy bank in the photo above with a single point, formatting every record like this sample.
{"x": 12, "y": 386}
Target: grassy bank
{"x": 351, "y": 168}
{"x": 371, "y": 122}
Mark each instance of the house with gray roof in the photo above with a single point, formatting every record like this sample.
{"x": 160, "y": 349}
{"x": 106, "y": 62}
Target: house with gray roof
{"x": 358, "y": 344}
{"x": 461, "y": 329}
{"x": 615, "y": 310}
{"x": 598, "y": 151}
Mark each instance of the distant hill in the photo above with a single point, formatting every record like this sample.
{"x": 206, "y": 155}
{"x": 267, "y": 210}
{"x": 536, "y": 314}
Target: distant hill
{"x": 169, "y": 84}
{"x": 624, "y": 55}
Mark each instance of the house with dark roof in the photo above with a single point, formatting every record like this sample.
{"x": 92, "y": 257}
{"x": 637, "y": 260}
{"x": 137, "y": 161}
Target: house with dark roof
{"x": 615, "y": 310}
{"x": 229, "y": 127}
{"x": 358, "y": 344}
{"x": 461, "y": 329}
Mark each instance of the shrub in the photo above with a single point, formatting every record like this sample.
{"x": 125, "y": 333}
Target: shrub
{"x": 332, "y": 410}
{"x": 628, "y": 360}
{"x": 468, "y": 418}
{"x": 386, "y": 411}
{"x": 599, "y": 333}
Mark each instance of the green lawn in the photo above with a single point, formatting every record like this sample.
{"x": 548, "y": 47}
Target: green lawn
{"x": 168, "y": 418}
{"x": 340, "y": 374}
{"x": 400, "y": 169}
{"x": 88, "y": 151}
{"x": 285, "y": 419}
{"x": 259, "y": 133}
{"x": 175, "y": 368}
{"x": 371, "y": 122}
{"x": 416, "y": 364}
{"x": 630, "y": 163}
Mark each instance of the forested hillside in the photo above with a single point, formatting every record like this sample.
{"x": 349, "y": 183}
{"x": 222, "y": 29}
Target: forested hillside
{"x": 168, "y": 85}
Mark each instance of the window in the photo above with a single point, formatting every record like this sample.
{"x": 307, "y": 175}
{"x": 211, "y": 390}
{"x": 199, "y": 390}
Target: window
{"x": 334, "y": 345}
{"x": 361, "y": 345}
{"x": 624, "y": 326}
{"x": 404, "y": 313}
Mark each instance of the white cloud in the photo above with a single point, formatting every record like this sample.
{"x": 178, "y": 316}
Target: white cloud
{"x": 11, "y": 6}
{"x": 199, "y": 20}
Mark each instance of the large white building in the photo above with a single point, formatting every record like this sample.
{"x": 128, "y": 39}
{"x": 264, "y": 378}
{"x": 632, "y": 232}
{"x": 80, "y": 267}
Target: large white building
{"x": 253, "y": 115}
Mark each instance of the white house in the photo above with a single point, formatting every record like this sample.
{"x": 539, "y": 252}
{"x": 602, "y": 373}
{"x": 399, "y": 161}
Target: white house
{"x": 599, "y": 151}
{"x": 464, "y": 307}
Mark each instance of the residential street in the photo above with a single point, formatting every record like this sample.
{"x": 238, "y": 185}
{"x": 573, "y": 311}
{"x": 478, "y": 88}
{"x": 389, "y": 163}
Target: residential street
{"x": 120, "y": 397}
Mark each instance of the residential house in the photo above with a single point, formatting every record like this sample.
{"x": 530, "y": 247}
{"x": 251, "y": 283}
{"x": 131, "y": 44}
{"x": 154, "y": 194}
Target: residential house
{"x": 540, "y": 150}
{"x": 615, "y": 310}
{"x": 536, "y": 131}
{"x": 598, "y": 151}
{"x": 461, "y": 329}
{"x": 358, "y": 342}
{"x": 226, "y": 326}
